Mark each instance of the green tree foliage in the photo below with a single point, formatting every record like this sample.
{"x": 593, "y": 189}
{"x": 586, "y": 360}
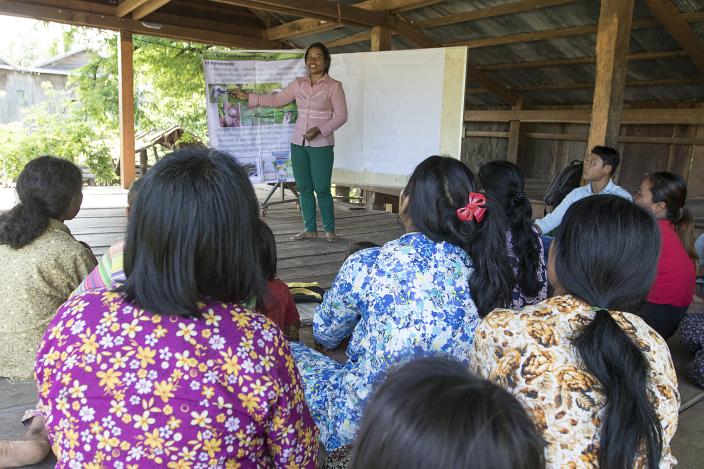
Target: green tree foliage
{"x": 169, "y": 90}
{"x": 169, "y": 85}
{"x": 56, "y": 127}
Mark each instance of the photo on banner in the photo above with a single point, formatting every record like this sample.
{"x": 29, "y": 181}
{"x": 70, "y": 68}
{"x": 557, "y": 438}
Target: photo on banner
{"x": 259, "y": 138}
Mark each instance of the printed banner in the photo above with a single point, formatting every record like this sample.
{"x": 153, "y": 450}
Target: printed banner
{"x": 258, "y": 138}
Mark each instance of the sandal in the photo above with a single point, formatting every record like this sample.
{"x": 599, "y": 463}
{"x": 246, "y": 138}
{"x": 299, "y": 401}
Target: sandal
{"x": 331, "y": 236}
{"x": 303, "y": 235}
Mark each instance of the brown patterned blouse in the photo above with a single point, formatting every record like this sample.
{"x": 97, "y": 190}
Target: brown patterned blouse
{"x": 36, "y": 280}
{"x": 531, "y": 354}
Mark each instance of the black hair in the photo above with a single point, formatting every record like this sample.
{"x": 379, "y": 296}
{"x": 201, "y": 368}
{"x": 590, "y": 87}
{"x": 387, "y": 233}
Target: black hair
{"x": 432, "y": 412}
{"x": 267, "y": 251}
{"x": 436, "y": 189}
{"x": 606, "y": 254}
{"x": 608, "y": 155}
{"x": 503, "y": 182}
{"x": 134, "y": 191}
{"x": 192, "y": 234}
{"x": 46, "y": 188}
{"x": 324, "y": 50}
{"x": 358, "y": 246}
{"x": 671, "y": 189}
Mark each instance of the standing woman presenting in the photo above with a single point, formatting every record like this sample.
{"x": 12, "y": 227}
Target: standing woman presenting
{"x": 322, "y": 109}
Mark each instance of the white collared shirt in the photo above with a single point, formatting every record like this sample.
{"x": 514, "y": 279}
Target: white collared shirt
{"x": 554, "y": 218}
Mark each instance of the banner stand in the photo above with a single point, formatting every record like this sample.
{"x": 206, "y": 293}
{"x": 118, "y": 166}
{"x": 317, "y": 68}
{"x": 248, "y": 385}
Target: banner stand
{"x": 283, "y": 185}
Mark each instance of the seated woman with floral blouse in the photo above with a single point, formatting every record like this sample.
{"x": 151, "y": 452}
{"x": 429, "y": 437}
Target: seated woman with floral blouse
{"x": 421, "y": 292}
{"x": 175, "y": 368}
{"x": 597, "y": 380}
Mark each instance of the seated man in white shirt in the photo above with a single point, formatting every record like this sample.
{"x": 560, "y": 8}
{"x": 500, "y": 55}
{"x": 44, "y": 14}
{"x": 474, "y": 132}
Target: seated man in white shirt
{"x": 599, "y": 165}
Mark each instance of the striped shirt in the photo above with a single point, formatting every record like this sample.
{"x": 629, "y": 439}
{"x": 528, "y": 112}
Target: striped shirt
{"x": 109, "y": 270}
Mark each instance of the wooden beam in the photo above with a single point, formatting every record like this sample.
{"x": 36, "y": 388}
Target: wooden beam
{"x": 381, "y": 39}
{"x": 687, "y": 116}
{"x": 125, "y": 7}
{"x": 320, "y": 9}
{"x": 265, "y": 16}
{"x": 329, "y": 11}
{"x": 514, "y": 135}
{"x": 93, "y": 15}
{"x": 79, "y": 5}
{"x": 483, "y": 13}
{"x": 207, "y": 25}
{"x": 495, "y": 87}
{"x": 671, "y": 18}
{"x": 308, "y": 26}
{"x": 147, "y": 8}
{"x": 654, "y": 55}
{"x": 353, "y": 39}
{"x": 525, "y": 37}
{"x": 485, "y": 134}
{"x": 612, "y": 43}
{"x": 126, "y": 98}
{"x": 590, "y": 85}
{"x": 299, "y": 28}
{"x": 279, "y": 9}
{"x": 562, "y": 32}
{"x": 560, "y": 137}
{"x": 550, "y": 115}
{"x": 395, "y": 6}
{"x": 583, "y": 138}
{"x": 416, "y": 5}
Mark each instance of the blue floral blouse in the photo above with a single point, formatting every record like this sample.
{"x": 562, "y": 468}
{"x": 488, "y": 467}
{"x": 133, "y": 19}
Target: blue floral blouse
{"x": 408, "y": 297}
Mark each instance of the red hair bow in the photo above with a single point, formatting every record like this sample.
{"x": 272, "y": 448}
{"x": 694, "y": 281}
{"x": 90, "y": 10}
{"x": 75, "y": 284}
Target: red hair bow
{"x": 474, "y": 210}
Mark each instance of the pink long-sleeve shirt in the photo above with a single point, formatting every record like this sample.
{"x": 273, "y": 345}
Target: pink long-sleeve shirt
{"x": 320, "y": 105}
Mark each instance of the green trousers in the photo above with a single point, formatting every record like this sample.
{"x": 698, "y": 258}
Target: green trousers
{"x": 312, "y": 168}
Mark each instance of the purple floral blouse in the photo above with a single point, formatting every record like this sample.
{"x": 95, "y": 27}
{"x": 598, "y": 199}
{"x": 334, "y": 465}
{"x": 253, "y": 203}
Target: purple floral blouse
{"x": 121, "y": 387}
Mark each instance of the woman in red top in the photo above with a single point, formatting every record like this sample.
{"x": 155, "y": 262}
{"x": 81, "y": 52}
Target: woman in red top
{"x": 278, "y": 302}
{"x": 665, "y": 194}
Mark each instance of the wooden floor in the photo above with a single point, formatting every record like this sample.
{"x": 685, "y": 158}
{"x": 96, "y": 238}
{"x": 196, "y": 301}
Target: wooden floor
{"x": 102, "y": 220}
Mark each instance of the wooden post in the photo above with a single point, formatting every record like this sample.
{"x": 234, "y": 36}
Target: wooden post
{"x": 143, "y": 161}
{"x": 612, "y": 41}
{"x": 381, "y": 39}
{"x": 126, "y": 96}
{"x": 514, "y": 134}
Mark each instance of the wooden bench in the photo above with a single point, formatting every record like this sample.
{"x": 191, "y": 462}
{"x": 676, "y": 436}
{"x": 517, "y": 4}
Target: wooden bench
{"x": 374, "y": 197}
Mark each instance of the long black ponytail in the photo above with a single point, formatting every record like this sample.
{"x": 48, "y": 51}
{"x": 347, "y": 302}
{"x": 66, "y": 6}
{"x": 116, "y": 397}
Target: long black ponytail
{"x": 606, "y": 254}
{"x": 436, "y": 189}
{"x": 46, "y": 188}
{"x": 503, "y": 182}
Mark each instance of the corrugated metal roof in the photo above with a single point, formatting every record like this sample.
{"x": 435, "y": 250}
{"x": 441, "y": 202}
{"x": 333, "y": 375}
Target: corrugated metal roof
{"x": 575, "y": 14}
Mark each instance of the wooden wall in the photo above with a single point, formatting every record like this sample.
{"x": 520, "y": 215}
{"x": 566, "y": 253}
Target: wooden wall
{"x": 546, "y": 148}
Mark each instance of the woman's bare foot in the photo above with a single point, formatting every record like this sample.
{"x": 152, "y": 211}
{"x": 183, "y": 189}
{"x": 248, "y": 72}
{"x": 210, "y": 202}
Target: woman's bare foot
{"x": 305, "y": 235}
{"x": 331, "y": 236}
{"x": 30, "y": 450}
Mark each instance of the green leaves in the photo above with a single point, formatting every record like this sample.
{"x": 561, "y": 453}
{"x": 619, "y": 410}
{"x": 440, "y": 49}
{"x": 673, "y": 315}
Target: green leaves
{"x": 82, "y": 124}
